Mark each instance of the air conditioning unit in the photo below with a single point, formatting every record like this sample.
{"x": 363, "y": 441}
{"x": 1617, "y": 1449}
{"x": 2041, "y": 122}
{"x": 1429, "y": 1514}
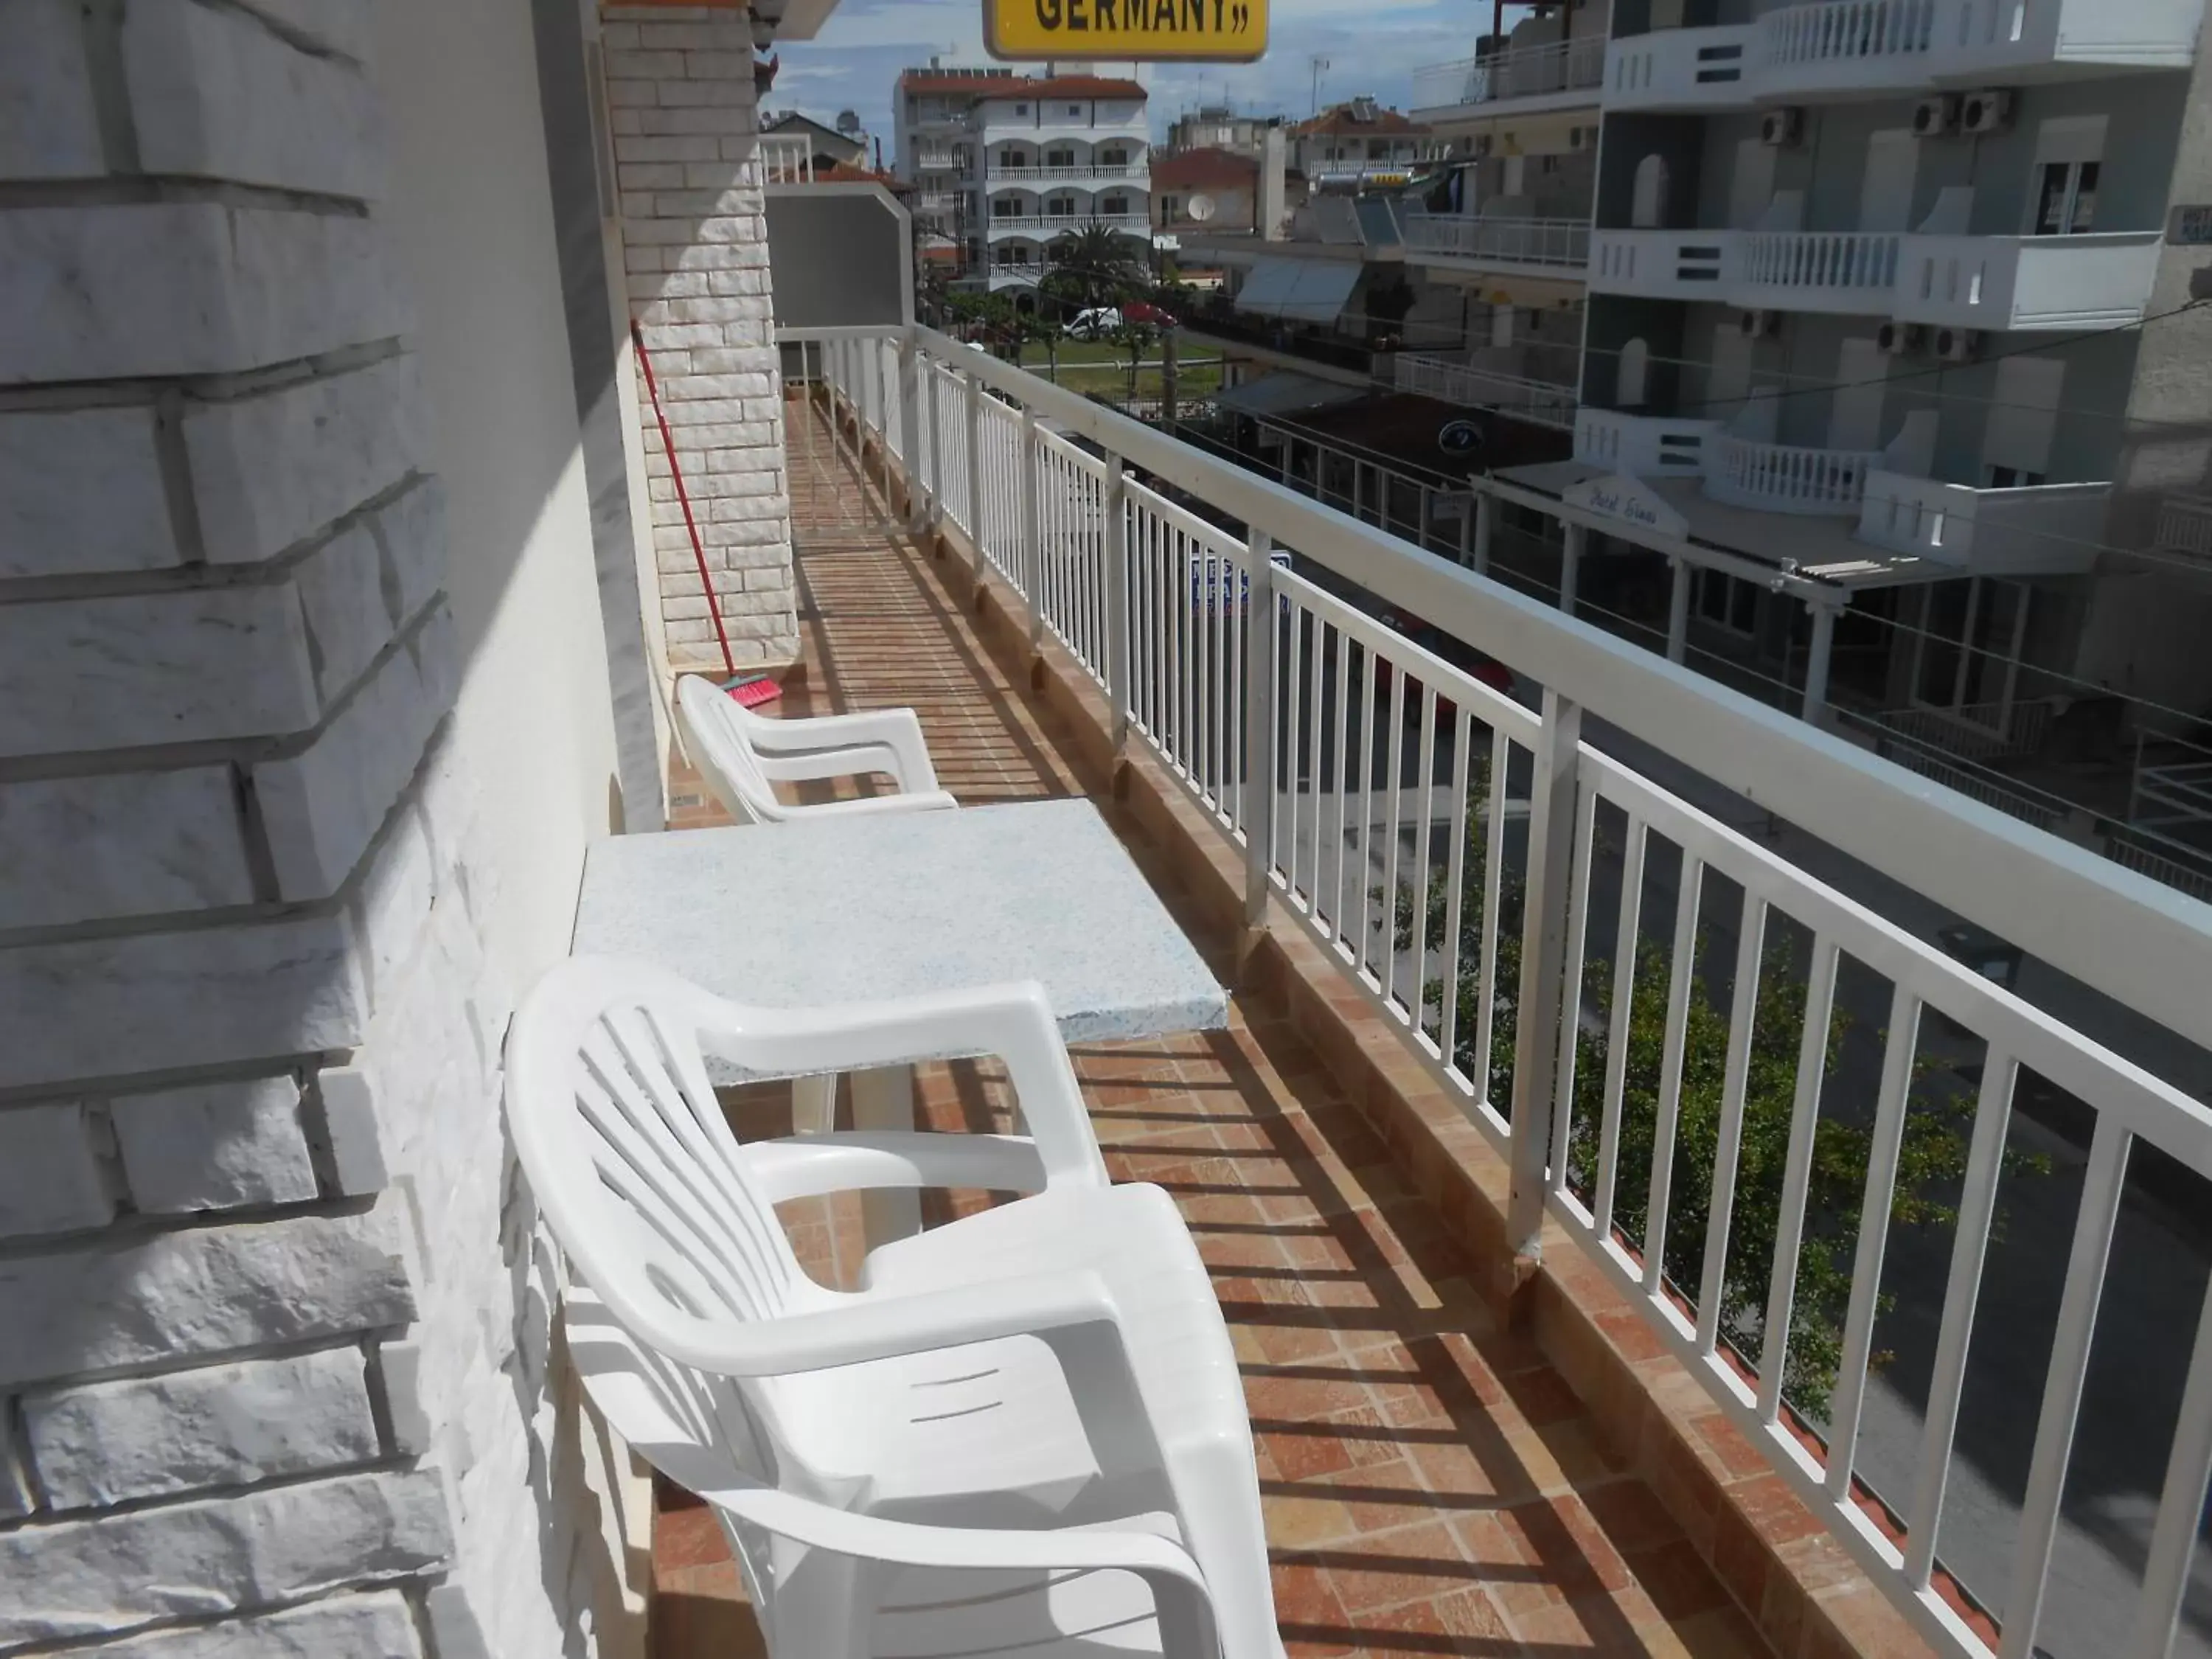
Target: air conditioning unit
{"x": 1957, "y": 345}
{"x": 1481, "y": 146}
{"x": 1782, "y": 127}
{"x": 1985, "y": 112}
{"x": 1901, "y": 339}
{"x": 1935, "y": 118}
{"x": 1759, "y": 324}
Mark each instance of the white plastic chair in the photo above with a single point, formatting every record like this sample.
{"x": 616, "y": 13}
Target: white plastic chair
{"x": 1055, "y": 1363}
{"x": 743, "y": 756}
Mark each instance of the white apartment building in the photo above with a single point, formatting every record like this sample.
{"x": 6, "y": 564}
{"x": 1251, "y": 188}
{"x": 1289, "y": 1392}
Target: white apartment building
{"x": 1003, "y": 165}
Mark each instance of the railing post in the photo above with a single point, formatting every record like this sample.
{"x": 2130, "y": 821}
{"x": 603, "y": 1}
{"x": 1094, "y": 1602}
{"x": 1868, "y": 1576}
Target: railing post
{"x": 975, "y": 475}
{"x": 1678, "y": 610}
{"x": 1029, "y": 564}
{"x": 936, "y": 508}
{"x": 1570, "y": 566}
{"x": 1259, "y": 803}
{"x": 909, "y": 383}
{"x": 1543, "y": 997}
{"x": 1485, "y": 521}
{"x": 1117, "y": 598}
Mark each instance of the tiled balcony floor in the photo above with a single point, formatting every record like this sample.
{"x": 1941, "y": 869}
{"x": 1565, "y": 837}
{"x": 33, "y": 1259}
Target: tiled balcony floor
{"x": 1433, "y": 1485}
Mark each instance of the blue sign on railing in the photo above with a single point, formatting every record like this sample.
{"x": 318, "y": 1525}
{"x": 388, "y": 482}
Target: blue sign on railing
{"x": 1209, "y": 576}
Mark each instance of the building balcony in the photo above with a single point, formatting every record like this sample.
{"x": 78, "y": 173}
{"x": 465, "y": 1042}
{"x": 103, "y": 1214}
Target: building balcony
{"x": 1482, "y": 381}
{"x": 1786, "y": 477}
{"x": 1561, "y": 75}
{"x": 1552, "y": 246}
{"x": 1699, "y": 69}
{"x": 1994, "y": 284}
{"x": 1047, "y": 225}
{"x": 2043, "y": 529}
{"x": 1032, "y": 177}
{"x": 1853, "y": 48}
{"x": 2184, "y": 526}
{"x": 1367, "y": 1184}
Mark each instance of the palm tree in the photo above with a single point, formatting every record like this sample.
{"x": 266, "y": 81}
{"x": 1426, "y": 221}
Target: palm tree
{"x": 1097, "y": 265}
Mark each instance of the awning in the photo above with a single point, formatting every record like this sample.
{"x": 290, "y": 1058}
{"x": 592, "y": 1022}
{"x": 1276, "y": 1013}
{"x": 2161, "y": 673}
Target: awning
{"x": 1283, "y": 393}
{"x": 1299, "y": 290}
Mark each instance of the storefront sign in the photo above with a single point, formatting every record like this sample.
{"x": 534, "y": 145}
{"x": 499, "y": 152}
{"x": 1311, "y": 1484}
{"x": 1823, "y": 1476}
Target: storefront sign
{"x": 2190, "y": 226}
{"x": 1146, "y": 31}
{"x": 1632, "y": 500}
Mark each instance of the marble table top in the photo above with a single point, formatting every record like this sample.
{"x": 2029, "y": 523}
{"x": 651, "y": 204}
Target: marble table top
{"x": 799, "y": 914}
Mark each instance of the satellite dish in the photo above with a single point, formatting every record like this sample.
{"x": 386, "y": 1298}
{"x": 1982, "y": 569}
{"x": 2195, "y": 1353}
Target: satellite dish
{"x": 1459, "y": 438}
{"x": 1201, "y": 208}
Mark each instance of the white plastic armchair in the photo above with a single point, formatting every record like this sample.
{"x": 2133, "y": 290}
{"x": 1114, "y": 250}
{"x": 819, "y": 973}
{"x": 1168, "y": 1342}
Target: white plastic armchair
{"x": 841, "y": 1584}
{"x": 743, "y": 756}
{"x": 1052, "y": 1362}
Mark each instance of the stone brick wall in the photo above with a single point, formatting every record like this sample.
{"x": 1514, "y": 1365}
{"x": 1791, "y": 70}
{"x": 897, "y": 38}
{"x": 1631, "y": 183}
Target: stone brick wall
{"x": 274, "y": 1338}
{"x": 684, "y": 120}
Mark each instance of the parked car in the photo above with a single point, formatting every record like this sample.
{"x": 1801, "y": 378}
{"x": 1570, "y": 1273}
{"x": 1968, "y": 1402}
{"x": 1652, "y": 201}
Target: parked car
{"x": 1144, "y": 313}
{"x": 1094, "y": 323}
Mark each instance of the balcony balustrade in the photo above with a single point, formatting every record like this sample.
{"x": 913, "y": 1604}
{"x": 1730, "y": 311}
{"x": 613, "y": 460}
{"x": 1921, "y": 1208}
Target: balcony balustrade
{"x": 1058, "y": 224}
{"x": 2184, "y": 526}
{"x": 1475, "y": 385}
{"x": 1540, "y": 72}
{"x": 1292, "y": 718}
{"x": 1556, "y": 243}
{"x": 1787, "y": 478}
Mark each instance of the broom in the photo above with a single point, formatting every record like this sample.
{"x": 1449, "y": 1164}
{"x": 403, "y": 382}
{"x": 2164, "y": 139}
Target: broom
{"x": 750, "y": 691}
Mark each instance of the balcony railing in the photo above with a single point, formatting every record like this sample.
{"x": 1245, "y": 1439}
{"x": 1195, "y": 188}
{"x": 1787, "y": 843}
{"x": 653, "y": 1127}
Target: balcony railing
{"x": 1562, "y": 243}
{"x": 1277, "y": 703}
{"x": 1787, "y": 478}
{"x": 1831, "y": 262}
{"x": 1520, "y": 72}
{"x": 1798, "y": 45}
{"x": 2184, "y": 526}
{"x": 1033, "y": 175}
{"x": 1055, "y": 224}
{"x": 784, "y": 159}
{"x": 1476, "y": 387}
{"x": 2035, "y": 529}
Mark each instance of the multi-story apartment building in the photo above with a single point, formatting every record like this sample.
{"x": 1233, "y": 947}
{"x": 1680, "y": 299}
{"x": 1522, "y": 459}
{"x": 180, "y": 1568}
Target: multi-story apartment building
{"x": 1216, "y": 126}
{"x": 1003, "y": 165}
{"x": 1357, "y": 143}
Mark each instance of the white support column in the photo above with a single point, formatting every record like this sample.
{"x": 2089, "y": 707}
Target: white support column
{"x": 1030, "y": 565}
{"x": 1678, "y": 610}
{"x": 910, "y": 384}
{"x": 1570, "y": 563}
{"x": 1486, "y": 522}
{"x": 1816, "y": 661}
{"x": 975, "y": 476}
{"x": 936, "y": 503}
{"x": 1117, "y": 598}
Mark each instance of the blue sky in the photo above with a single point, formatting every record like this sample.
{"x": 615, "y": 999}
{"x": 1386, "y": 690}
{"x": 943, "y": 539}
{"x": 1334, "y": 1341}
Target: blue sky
{"x": 1372, "y": 45}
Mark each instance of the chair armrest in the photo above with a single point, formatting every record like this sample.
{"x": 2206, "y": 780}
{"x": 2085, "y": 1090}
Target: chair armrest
{"x": 862, "y": 1325}
{"x": 806, "y": 1166}
{"x": 933, "y": 800}
{"x": 801, "y": 766}
{"x": 1014, "y": 1022}
{"x": 898, "y": 730}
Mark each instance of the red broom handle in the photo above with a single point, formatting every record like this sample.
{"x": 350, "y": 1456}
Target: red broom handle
{"x": 683, "y": 498}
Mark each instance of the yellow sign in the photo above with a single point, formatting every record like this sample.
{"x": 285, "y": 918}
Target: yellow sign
{"x": 1147, "y": 31}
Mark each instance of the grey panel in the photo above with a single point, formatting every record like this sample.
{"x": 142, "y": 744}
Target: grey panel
{"x": 839, "y": 256}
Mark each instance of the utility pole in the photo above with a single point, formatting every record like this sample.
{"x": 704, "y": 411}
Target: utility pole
{"x": 1320, "y": 69}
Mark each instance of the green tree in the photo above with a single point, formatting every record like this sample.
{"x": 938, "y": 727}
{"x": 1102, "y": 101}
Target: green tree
{"x": 1096, "y": 265}
{"x": 1938, "y": 1123}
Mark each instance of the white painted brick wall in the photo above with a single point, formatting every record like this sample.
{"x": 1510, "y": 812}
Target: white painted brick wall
{"x": 378, "y": 1626}
{"x": 51, "y": 1177}
{"x": 60, "y": 862}
{"x": 214, "y": 1146}
{"x": 222, "y": 1425}
{"x": 189, "y": 1559}
{"x": 215, "y": 95}
{"x": 250, "y": 1022}
{"x": 81, "y": 491}
{"x": 679, "y": 84}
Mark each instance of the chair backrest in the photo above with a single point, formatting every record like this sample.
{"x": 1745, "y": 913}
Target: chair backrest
{"x": 715, "y": 731}
{"x": 633, "y": 1163}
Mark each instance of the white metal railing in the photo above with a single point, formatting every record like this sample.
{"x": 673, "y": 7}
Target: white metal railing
{"x": 2194, "y": 879}
{"x": 1846, "y": 32}
{"x": 1052, "y": 224}
{"x": 1847, "y": 259}
{"x": 784, "y": 159}
{"x": 1023, "y": 175}
{"x": 1787, "y": 478}
{"x": 1563, "y": 242}
{"x": 1974, "y": 732}
{"x": 1519, "y": 72}
{"x": 1473, "y": 386}
{"x": 1475, "y": 864}
{"x": 2184, "y": 526}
